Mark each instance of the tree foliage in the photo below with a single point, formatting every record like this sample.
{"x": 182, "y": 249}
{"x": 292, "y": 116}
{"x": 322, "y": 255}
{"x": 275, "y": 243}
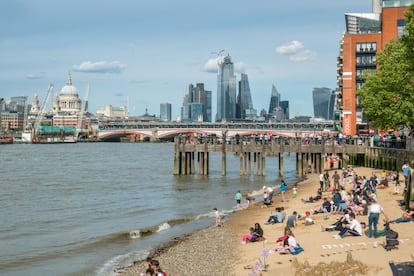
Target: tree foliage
{"x": 387, "y": 96}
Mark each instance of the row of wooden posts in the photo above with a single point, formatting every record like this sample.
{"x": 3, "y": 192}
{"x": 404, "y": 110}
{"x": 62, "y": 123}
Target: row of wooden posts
{"x": 191, "y": 156}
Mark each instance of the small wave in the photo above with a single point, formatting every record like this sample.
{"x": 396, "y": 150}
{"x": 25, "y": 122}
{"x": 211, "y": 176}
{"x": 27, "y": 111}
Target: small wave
{"x": 135, "y": 234}
{"x": 163, "y": 226}
{"x": 120, "y": 262}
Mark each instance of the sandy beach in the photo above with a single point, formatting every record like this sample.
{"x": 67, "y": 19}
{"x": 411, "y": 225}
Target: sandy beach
{"x": 219, "y": 251}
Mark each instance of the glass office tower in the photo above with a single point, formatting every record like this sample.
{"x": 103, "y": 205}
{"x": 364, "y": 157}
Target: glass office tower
{"x": 226, "y": 90}
{"x": 244, "y": 107}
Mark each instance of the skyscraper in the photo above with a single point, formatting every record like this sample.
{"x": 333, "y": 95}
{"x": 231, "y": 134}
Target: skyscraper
{"x": 165, "y": 112}
{"x": 197, "y": 104}
{"x": 323, "y": 102}
{"x": 274, "y": 100}
{"x": 244, "y": 107}
{"x": 284, "y": 106}
{"x": 226, "y": 90}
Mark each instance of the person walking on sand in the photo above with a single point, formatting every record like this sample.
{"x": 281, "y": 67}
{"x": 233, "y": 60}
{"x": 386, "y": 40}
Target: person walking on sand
{"x": 326, "y": 180}
{"x": 238, "y": 199}
{"x": 336, "y": 178}
{"x": 283, "y": 188}
{"x": 397, "y": 183}
{"x": 374, "y": 212}
{"x": 321, "y": 180}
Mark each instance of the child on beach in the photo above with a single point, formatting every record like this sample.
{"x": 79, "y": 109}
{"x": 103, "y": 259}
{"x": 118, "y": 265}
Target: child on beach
{"x": 249, "y": 237}
{"x": 218, "y": 217}
{"x": 295, "y": 190}
{"x": 308, "y": 219}
{"x": 238, "y": 199}
{"x": 283, "y": 188}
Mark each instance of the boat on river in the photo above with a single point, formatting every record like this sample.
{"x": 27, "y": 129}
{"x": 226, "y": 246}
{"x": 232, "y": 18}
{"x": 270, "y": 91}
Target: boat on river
{"x": 6, "y": 140}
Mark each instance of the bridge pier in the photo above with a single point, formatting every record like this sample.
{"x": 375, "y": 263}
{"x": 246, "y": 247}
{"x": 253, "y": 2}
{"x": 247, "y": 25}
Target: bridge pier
{"x": 281, "y": 171}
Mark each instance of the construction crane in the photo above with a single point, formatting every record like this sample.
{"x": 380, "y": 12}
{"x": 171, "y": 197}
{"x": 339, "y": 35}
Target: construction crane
{"x": 25, "y": 114}
{"x": 219, "y": 53}
{"x": 219, "y": 56}
{"x": 82, "y": 111}
{"x": 39, "y": 116}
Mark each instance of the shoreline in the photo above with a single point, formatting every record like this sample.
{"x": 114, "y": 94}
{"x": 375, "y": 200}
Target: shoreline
{"x": 203, "y": 252}
{"x": 167, "y": 252}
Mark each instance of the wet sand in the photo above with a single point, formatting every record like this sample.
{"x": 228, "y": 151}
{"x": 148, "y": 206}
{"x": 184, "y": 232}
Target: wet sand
{"x": 219, "y": 251}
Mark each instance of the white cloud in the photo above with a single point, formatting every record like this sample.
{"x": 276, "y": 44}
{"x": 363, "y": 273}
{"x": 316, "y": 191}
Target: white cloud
{"x": 100, "y": 67}
{"x": 290, "y": 49}
{"x": 35, "y": 76}
{"x": 211, "y": 66}
{"x": 303, "y": 55}
{"x": 239, "y": 67}
{"x": 296, "y": 51}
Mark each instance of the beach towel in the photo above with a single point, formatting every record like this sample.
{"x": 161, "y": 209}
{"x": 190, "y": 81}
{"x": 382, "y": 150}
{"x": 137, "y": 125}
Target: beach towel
{"x": 296, "y": 250}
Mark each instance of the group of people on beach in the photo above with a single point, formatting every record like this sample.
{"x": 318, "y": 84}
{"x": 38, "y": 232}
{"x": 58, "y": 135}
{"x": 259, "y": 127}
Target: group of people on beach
{"x": 255, "y": 234}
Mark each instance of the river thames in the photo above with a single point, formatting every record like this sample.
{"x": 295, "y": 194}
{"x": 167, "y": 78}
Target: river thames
{"x": 88, "y": 208}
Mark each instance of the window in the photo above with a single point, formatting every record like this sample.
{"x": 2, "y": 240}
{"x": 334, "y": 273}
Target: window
{"x": 401, "y": 27}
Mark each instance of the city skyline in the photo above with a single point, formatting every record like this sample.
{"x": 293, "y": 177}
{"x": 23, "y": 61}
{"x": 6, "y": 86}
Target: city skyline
{"x": 141, "y": 53}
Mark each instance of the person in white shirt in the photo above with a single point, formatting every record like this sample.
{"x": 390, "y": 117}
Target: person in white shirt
{"x": 354, "y": 228}
{"x": 321, "y": 180}
{"x": 374, "y": 212}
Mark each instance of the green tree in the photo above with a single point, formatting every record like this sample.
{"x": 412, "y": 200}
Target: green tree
{"x": 387, "y": 95}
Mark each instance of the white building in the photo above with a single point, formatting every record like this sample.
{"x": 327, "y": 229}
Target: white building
{"x": 112, "y": 111}
{"x": 67, "y": 102}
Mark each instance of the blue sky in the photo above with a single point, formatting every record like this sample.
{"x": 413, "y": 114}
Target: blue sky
{"x": 141, "y": 53}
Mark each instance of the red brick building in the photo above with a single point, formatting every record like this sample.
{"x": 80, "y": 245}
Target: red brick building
{"x": 366, "y": 35}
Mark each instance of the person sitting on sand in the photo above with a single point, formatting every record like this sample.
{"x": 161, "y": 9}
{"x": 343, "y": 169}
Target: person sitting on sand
{"x": 155, "y": 265}
{"x": 259, "y": 231}
{"x": 324, "y": 208}
{"x": 407, "y": 216}
{"x": 336, "y": 199}
{"x": 292, "y": 220}
{"x": 291, "y": 246}
{"x": 275, "y": 217}
{"x": 283, "y": 240}
{"x": 338, "y": 225}
{"x": 354, "y": 228}
{"x": 312, "y": 199}
{"x": 256, "y": 234}
{"x": 251, "y": 237}
{"x": 308, "y": 219}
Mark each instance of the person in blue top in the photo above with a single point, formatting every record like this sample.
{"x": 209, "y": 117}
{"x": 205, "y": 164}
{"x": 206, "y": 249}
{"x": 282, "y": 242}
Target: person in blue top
{"x": 406, "y": 172}
{"x": 238, "y": 199}
{"x": 283, "y": 188}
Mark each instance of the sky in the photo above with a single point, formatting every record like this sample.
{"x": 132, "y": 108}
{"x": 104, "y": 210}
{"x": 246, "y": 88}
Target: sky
{"x": 139, "y": 54}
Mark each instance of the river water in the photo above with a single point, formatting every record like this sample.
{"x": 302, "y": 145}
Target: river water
{"x": 88, "y": 208}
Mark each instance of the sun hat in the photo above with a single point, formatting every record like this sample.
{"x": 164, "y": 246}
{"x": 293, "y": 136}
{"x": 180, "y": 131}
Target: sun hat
{"x": 307, "y": 213}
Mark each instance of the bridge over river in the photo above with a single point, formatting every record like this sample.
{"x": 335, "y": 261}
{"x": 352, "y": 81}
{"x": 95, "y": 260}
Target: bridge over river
{"x": 155, "y": 131}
